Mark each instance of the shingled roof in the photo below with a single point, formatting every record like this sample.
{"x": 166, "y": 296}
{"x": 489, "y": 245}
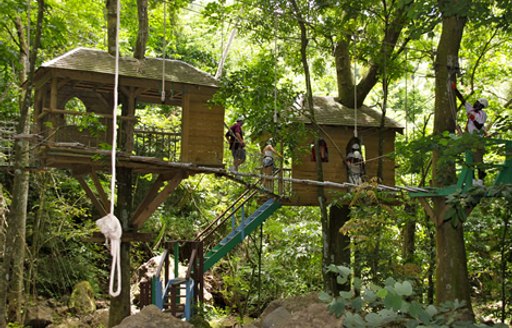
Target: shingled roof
{"x": 330, "y": 112}
{"x": 98, "y": 61}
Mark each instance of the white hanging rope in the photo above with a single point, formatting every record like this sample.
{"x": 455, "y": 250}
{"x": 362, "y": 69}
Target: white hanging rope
{"x": 406, "y": 99}
{"x": 275, "y": 67}
{"x": 109, "y": 224}
{"x": 163, "y": 51}
{"x": 355, "y": 87}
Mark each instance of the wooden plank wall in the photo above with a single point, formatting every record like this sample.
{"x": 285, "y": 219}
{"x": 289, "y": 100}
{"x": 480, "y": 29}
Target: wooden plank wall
{"x": 303, "y": 167}
{"x": 202, "y": 130}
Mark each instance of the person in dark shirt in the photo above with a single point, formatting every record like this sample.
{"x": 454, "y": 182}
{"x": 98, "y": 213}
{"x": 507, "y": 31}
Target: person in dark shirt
{"x": 235, "y": 137}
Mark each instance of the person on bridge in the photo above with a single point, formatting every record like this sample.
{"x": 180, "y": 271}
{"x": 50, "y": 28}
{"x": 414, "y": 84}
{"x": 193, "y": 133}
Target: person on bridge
{"x": 268, "y": 164}
{"x": 235, "y": 137}
{"x": 475, "y": 124}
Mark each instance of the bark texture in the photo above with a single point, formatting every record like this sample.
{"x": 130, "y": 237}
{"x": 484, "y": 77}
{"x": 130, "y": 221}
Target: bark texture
{"x": 451, "y": 281}
{"x": 12, "y": 282}
{"x": 111, "y": 26}
{"x": 142, "y": 34}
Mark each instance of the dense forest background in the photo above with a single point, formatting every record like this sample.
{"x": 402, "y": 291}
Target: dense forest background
{"x": 387, "y": 54}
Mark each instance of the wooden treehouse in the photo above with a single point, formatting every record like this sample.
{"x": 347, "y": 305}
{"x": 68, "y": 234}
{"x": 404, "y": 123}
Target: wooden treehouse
{"x": 336, "y": 123}
{"x": 73, "y": 117}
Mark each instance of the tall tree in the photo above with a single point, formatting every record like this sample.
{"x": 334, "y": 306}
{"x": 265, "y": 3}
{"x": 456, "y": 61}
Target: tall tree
{"x": 142, "y": 35}
{"x": 451, "y": 267}
{"x": 356, "y": 38}
{"x": 111, "y": 6}
{"x": 11, "y": 288}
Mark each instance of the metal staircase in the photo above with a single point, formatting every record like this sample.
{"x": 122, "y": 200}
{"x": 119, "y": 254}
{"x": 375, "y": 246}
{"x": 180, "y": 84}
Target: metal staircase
{"x": 178, "y": 294}
{"x": 235, "y": 237}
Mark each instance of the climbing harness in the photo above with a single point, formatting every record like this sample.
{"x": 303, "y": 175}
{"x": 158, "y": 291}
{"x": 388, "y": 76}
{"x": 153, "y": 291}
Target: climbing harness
{"x": 109, "y": 225}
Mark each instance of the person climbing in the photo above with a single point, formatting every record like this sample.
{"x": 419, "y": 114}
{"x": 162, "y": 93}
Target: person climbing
{"x": 268, "y": 164}
{"x": 235, "y": 138}
{"x": 475, "y": 124}
{"x": 355, "y": 162}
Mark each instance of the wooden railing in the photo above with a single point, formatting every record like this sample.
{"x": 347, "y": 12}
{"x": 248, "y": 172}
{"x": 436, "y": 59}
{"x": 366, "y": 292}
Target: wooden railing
{"x": 7, "y": 133}
{"x": 94, "y": 130}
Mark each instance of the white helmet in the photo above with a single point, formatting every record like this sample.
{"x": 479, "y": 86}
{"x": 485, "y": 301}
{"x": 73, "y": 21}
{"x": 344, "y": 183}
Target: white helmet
{"x": 484, "y": 102}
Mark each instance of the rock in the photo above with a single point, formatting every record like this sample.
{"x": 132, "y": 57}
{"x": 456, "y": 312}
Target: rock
{"x": 305, "y": 311}
{"x": 82, "y": 301}
{"x": 276, "y": 318}
{"x": 67, "y": 323}
{"x": 152, "y": 317}
{"x": 39, "y": 315}
{"x": 96, "y": 319}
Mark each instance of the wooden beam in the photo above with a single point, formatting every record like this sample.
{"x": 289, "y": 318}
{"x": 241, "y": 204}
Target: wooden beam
{"x": 155, "y": 197}
{"x": 129, "y": 236}
{"x": 428, "y": 209}
{"x": 99, "y": 188}
{"x": 91, "y": 195}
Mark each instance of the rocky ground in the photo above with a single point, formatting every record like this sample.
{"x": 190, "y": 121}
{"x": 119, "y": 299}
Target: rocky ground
{"x": 297, "y": 312}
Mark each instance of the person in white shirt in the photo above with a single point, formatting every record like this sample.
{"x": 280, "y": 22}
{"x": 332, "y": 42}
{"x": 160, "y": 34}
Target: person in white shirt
{"x": 476, "y": 118}
{"x": 268, "y": 153}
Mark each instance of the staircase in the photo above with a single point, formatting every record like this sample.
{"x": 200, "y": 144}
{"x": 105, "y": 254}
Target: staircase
{"x": 245, "y": 228}
{"x": 179, "y": 293}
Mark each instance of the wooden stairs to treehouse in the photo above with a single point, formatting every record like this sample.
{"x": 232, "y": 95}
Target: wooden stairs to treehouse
{"x": 179, "y": 294}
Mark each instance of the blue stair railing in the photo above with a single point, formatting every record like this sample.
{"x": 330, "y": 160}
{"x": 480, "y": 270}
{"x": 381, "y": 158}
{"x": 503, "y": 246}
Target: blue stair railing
{"x": 240, "y": 231}
{"x": 180, "y": 293}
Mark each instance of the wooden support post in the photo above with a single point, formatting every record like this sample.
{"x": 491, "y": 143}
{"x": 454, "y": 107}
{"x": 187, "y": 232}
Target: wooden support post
{"x": 97, "y": 204}
{"x": 99, "y": 189}
{"x": 154, "y": 198}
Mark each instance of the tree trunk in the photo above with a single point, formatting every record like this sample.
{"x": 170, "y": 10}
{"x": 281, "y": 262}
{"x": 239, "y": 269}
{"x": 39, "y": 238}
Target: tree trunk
{"x": 120, "y": 305}
{"x": 451, "y": 268}
{"x": 408, "y": 235}
{"x": 111, "y": 26}
{"x": 339, "y": 245}
{"x": 142, "y": 34}
{"x": 319, "y": 169}
{"x": 11, "y": 285}
{"x": 342, "y": 60}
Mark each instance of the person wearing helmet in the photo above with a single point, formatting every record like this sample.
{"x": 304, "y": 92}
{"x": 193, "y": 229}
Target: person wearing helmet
{"x": 235, "y": 137}
{"x": 475, "y": 124}
{"x": 355, "y": 161}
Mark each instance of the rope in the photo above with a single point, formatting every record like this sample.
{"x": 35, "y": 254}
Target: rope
{"x": 163, "y": 53}
{"x": 355, "y": 87}
{"x": 406, "y": 99}
{"x": 275, "y": 69}
{"x": 109, "y": 224}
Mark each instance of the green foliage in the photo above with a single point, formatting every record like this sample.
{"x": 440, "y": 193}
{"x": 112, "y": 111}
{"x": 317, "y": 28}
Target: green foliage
{"x": 290, "y": 258}
{"x": 252, "y": 91}
{"x": 390, "y": 305}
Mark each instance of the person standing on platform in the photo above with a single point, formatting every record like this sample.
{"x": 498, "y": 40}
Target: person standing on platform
{"x": 476, "y": 117}
{"x": 235, "y": 138}
{"x": 269, "y": 164}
